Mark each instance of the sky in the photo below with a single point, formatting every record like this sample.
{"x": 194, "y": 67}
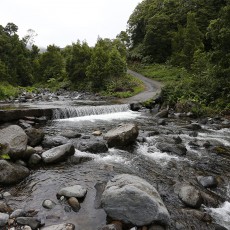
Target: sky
{"x": 62, "y": 22}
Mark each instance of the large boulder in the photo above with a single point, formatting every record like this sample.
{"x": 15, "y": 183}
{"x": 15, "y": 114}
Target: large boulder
{"x": 134, "y": 201}
{"x": 50, "y": 142}
{"x": 58, "y": 153}
{"x": 11, "y": 173}
{"x": 35, "y": 136}
{"x": 190, "y": 196}
{"x": 122, "y": 135}
{"x": 13, "y": 141}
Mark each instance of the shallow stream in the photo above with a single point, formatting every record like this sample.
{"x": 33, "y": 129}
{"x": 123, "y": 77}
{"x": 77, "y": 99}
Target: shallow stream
{"x": 166, "y": 171}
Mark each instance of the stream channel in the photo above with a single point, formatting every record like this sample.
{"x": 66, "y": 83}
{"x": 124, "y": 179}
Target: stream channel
{"x": 164, "y": 170}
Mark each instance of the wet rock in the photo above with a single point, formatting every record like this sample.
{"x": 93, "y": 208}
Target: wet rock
{"x": 161, "y": 122}
{"x": 58, "y": 153}
{"x": 30, "y": 221}
{"x": 122, "y": 136}
{"x": 18, "y": 213}
{"x": 92, "y": 146}
{"x": 50, "y": 142}
{"x": 26, "y": 227}
{"x": 74, "y": 191}
{"x": 49, "y": 204}
{"x": 193, "y": 134}
{"x": 115, "y": 225}
{"x": 11, "y": 173}
{"x": 70, "y": 134}
{"x": 78, "y": 159}
{"x": 13, "y": 141}
{"x": 74, "y": 204}
{"x": 162, "y": 114}
{"x": 133, "y": 200}
{"x": 3, "y": 219}
{"x": 35, "y": 159}
{"x": 207, "y": 144}
{"x": 6, "y": 194}
{"x": 193, "y": 126}
{"x": 23, "y": 124}
{"x": 207, "y": 181}
{"x": 177, "y": 140}
{"x": 28, "y": 153}
{"x": 97, "y": 133}
{"x": 35, "y": 136}
{"x": 219, "y": 227}
{"x": 135, "y": 106}
{"x": 172, "y": 148}
{"x": 190, "y": 196}
{"x": 20, "y": 162}
{"x": 60, "y": 227}
{"x": 4, "y": 207}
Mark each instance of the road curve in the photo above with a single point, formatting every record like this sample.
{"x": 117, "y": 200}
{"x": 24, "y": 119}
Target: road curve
{"x": 152, "y": 88}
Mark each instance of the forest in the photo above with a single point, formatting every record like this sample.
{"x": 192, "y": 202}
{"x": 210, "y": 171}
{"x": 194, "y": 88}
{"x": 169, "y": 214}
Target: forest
{"x": 185, "y": 44}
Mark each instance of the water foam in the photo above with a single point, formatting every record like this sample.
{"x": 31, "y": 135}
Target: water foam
{"x": 221, "y": 215}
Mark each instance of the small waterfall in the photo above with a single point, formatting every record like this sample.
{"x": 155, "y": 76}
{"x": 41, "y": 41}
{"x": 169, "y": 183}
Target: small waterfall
{"x": 82, "y": 111}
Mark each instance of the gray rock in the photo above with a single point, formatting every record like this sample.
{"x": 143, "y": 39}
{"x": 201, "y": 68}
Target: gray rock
{"x": 133, "y": 200}
{"x": 74, "y": 204}
{"x": 178, "y": 149}
{"x": 60, "y": 227}
{"x": 4, "y": 207}
{"x": 35, "y": 159}
{"x": 207, "y": 181}
{"x": 28, "y": 153}
{"x": 13, "y": 141}
{"x": 162, "y": 114}
{"x": 11, "y": 173}
{"x": 122, "y": 136}
{"x": 70, "y": 134}
{"x": 190, "y": 196}
{"x": 193, "y": 126}
{"x": 161, "y": 122}
{"x": 92, "y": 146}
{"x": 74, "y": 191}
{"x": 156, "y": 227}
{"x": 18, "y": 213}
{"x": 50, "y": 142}
{"x": 49, "y": 204}
{"x": 3, "y": 219}
{"x": 30, "y": 221}
{"x": 58, "y": 153}
{"x": 35, "y": 136}
{"x": 6, "y": 194}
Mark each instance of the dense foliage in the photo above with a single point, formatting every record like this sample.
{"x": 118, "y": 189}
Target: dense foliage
{"x": 193, "y": 35}
{"x": 100, "y": 69}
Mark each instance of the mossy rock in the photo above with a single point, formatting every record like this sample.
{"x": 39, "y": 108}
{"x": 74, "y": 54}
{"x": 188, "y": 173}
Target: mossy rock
{"x": 222, "y": 150}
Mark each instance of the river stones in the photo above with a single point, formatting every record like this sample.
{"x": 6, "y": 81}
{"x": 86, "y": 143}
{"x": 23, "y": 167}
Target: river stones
{"x": 35, "y": 159}
{"x": 50, "y": 142}
{"x": 73, "y": 191}
{"x": 13, "y": 141}
{"x": 35, "y": 136}
{"x": 11, "y": 173}
{"x": 74, "y": 204}
{"x": 162, "y": 114}
{"x": 3, "y": 219}
{"x": 60, "y": 227}
{"x": 207, "y": 181}
{"x": 58, "y": 153}
{"x": 49, "y": 204}
{"x": 190, "y": 196}
{"x": 4, "y": 207}
{"x": 178, "y": 149}
{"x": 92, "y": 146}
{"x": 133, "y": 200}
{"x": 18, "y": 213}
{"x": 30, "y": 221}
{"x": 122, "y": 136}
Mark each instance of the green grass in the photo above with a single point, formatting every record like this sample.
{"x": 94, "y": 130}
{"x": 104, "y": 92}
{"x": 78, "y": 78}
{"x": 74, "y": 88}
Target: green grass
{"x": 7, "y": 90}
{"x": 162, "y": 73}
{"x": 127, "y": 86}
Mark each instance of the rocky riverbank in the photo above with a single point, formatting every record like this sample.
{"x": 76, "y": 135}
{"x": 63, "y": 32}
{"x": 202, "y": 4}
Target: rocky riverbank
{"x": 164, "y": 171}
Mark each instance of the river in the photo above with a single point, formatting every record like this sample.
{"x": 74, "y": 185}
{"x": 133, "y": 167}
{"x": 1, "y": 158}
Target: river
{"x": 166, "y": 171}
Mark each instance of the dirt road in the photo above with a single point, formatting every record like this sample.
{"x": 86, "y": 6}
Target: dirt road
{"x": 152, "y": 88}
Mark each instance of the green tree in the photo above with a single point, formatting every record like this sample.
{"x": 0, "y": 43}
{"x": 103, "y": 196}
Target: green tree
{"x": 78, "y": 61}
{"x": 51, "y": 65}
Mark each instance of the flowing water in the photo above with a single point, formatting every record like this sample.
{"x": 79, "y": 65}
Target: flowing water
{"x": 165, "y": 171}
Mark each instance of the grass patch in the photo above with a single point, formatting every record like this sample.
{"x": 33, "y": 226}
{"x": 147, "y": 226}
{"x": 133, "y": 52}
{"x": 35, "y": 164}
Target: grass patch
{"x": 127, "y": 86}
{"x": 7, "y": 90}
